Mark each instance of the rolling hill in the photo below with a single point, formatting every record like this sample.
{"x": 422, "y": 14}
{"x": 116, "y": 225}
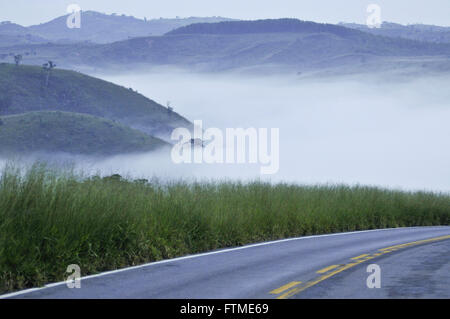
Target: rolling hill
{"x": 55, "y": 131}
{"x": 31, "y": 88}
{"x": 278, "y": 45}
{"x": 243, "y": 44}
{"x": 96, "y": 27}
{"x": 262, "y": 26}
{"x": 14, "y": 34}
{"x": 418, "y": 32}
{"x": 284, "y": 44}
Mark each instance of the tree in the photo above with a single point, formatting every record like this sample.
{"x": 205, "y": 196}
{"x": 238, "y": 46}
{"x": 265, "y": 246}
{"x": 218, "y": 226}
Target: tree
{"x": 169, "y": 108}
{"x": 48, "y": 67}
{"x": 18, "y": 59}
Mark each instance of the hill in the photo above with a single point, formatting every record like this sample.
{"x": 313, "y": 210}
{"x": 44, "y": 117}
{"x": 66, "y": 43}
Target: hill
{"x": 243, "y": 44}
{"x": 262, "y": 26}
{"x": 26, "y": 88}
{"x": 14, "y": 34}
{"x": 419, "y": 32}
{"x": 286, "y": 45}
{"x": 95, "y": 27}
{"x": 70, "y": 133}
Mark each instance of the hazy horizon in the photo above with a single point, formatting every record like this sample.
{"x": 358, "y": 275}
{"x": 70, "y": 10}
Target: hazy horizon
{"x": 433, "y": 12}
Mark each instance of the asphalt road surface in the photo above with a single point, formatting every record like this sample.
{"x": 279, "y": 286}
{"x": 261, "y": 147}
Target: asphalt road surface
{"x": 411, "y": 263}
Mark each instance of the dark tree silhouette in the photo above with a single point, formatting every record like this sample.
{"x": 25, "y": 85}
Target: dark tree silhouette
{"x": 18, "y": 59}
{"x": 169, "y": 108}
{"x": 48, "y": 67}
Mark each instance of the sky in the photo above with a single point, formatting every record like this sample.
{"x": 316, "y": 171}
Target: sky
{"x": 437, "y": 12}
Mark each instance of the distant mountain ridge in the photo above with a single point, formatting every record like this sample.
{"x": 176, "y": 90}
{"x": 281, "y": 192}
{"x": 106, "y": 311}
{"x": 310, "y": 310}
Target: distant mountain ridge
{"x": 241, "y": 44}
{"x": 419, "y": 32}
{"x": 97, "y": 28}
{"x": 289, "y": 45}
{"x": 14, "y": 34}
{"x": 286, "y": 25}
{"x": 106, "y": 28}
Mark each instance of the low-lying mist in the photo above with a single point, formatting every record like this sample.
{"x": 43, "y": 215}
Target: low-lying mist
{"x": 355, "y": 130}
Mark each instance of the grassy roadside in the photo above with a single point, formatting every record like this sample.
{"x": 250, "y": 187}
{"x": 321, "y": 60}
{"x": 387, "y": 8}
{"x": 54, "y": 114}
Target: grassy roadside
{"x": 50, "y": 219}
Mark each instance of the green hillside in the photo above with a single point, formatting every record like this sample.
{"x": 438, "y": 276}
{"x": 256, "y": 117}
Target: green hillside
{"x": 26, "y": 88}
{"x": 54, "y": 131}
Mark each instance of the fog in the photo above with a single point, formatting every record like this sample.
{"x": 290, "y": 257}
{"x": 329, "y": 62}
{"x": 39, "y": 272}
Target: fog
{"x": 353, "y": 130}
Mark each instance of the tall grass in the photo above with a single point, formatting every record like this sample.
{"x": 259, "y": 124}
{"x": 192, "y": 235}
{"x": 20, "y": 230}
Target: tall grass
{"x": 50, "y": 219}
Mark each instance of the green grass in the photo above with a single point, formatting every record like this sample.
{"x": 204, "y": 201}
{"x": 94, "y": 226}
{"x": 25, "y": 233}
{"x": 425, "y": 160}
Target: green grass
{"x": 50, "y": 219}
{"x": 71, "y": 133}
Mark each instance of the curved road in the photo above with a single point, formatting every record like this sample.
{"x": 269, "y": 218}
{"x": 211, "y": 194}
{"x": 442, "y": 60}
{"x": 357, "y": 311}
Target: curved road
{"x": 413, "y": 263}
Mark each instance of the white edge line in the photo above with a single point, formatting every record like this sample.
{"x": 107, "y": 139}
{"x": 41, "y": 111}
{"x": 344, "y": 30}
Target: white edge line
{"x": 22, "y": 292}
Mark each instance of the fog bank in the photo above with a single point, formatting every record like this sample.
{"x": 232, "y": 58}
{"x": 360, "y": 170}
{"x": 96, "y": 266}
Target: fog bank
{"x": 343, "y": 130}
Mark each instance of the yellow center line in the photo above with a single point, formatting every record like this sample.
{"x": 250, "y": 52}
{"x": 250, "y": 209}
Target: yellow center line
{"x": 360, "y": 256}
{"x": 321, "y": 271}
{"x": 377, "y": 254}
{"x": 414, "y": 243}
{"x": 295, "y": 291}
{"x": 356, "y": 260}
{"x": 285, "y": 287}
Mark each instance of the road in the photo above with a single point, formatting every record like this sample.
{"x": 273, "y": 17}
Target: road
{"x": 413, "y": 263}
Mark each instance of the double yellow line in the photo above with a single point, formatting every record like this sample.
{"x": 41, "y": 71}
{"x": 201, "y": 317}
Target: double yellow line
{"x": 296, "y": 287}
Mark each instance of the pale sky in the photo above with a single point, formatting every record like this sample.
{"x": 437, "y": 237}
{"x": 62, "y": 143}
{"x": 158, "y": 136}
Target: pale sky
{"x": 28, "y": 12}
